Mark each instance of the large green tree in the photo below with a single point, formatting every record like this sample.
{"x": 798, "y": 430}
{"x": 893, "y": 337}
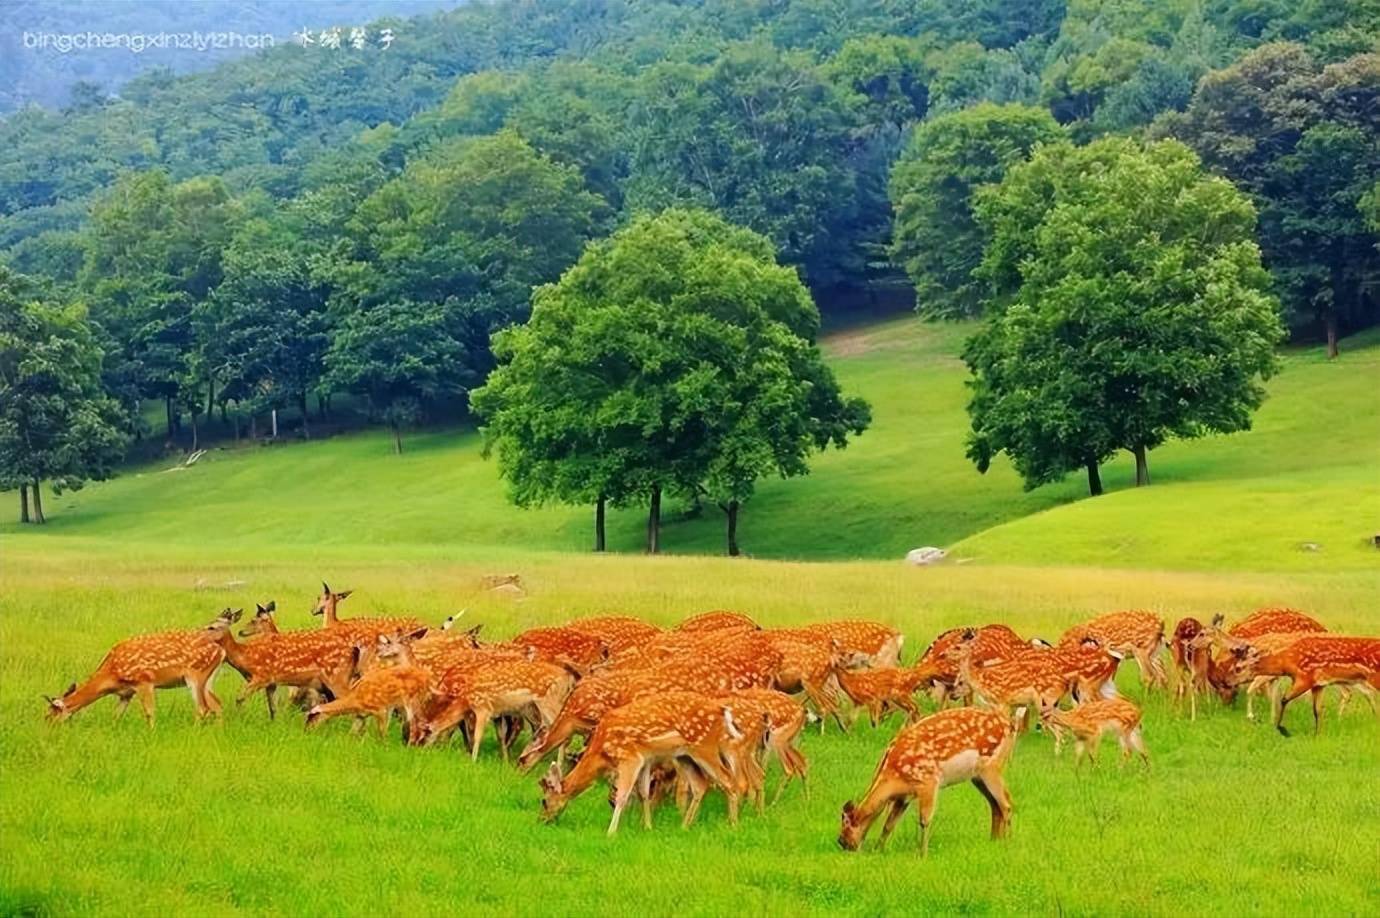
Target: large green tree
{"x": 675, "y": 357}
{"x": 936, "y": 238}
{"x": 1134, "y": 309}
{"x": 56, "y": 422}
{"x": 1304, "y": 140}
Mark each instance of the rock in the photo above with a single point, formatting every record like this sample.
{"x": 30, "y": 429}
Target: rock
{"x": 1310, "y": 546}
{"x": 927, "y": 555}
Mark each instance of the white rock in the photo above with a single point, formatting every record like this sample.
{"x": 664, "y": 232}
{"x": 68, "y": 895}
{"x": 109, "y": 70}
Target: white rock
{"x": 927, "y": 555}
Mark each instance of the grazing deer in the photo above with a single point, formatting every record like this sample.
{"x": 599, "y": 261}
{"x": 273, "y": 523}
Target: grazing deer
{"x": 1019, "y": 684}
{"x": 781, "y": 719}
{"x": 657, "y": 728}
{"x": 1088, "y": 721}
{"x": 1087, "y": 666}
{"x": 880, "y": 644}
{"x": 880, "y": 691}
{"x": 617, "y": 632}
{"x": 397, "y": 685}
{"x": 307, "y": 661}
{"x": 580, "y": 651}
{"x": 1312, "y": 664}
{"x": 1139, "y": 634}
{"x": 956, "y": 745}
{"x": 592, "y": 698}
{"x": 718, "y": 620}
{"x": 367, "y": 629}
{"x": 503, "y": 688}
{"x": 138, "y": 665}
{"x": 812, "y": 669}
{"x": 987, "y": 644}
{"x": 1272, "y": 621}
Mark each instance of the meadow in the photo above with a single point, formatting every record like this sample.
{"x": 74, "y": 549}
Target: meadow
{"x": 245, "y": 815}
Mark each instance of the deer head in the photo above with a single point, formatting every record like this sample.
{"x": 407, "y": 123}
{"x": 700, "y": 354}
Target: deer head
{"x": 57, "y": 707}
{"x": 850, "y": 828}
{"x": 262, "y": 622}
{"x": 553, "y": 795}
{"x": 327, "y": 601}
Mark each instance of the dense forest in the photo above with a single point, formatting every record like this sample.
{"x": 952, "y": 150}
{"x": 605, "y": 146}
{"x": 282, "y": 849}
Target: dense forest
{"x": 309, "y": 222}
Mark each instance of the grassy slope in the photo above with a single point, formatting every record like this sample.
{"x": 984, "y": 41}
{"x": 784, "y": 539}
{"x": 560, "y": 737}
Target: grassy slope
{"x": 1304, "y": 474}
{"x": 250, "y": 816}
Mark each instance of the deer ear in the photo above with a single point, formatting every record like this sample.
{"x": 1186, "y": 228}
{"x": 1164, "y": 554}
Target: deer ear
{"x": 1218, "y": 619}
{"x": 474, "y": 632}
{"x": 969, "y": 634}
{"x": 848, "y": 810}
{"x": 272, "y": 606}
{"x": 325, "y": 588}
{"x": 345, "y": 594}
{"x": 552, "y": 779}
{"x": 417, "y": 635}
{"x": 70, "y": 689}
{"x": 235, "y": 616}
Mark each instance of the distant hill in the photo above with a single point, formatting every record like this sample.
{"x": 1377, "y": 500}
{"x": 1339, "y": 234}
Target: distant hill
{"x": 35, "y": 68}
{"x": 1250, "y": 501}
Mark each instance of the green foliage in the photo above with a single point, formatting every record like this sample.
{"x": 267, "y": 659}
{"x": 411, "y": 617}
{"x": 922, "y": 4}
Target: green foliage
{"x": 56, "y": 422}
{"x": 1138, "y": 309}
{"x": 676, "y": 356}
{"x": 936, "y": 238}
{"x": 1304, "y": 141}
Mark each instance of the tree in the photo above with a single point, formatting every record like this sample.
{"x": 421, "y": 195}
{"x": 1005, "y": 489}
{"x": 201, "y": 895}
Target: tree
{"x": 935, "y": 238}
{"x": 56, "y": 423}
{"x": 1134, "y": 308}
{"x": 1304, "y": 141}
{"x": 675, "y": 357}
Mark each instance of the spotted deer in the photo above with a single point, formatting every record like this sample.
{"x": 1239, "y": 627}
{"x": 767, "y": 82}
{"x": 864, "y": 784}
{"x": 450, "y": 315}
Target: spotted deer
{"x": 663, "y": 727}
{"x": 881, "y": 691}
{"x": 366, "y": 629}
{"x": 592, "y": 698}
{"x": 1137, "y": 634}
{"x": 1312, "y": 664}
{"x": 138, "y": 665}
{"x": 944, "y": 748}
{"x": 780, "y": 719}
{"x": 575, "y": 649}
{"x": 1087, "y": 723}
{"x": 812, "y": 669}
{"x": 1192, "y": 660}
{"x": 987, "y": 644}
{"x": 497, "y": 689}
{"x": 617, "y": 632}
{"x": 718, "y": 620}
{"x": 1015, "y": 687}
{"x": 880, "y": 644}
{"x": 306, "y": 661}
{"x": 397, "y": 685}
{"x": 1272, "y": 621}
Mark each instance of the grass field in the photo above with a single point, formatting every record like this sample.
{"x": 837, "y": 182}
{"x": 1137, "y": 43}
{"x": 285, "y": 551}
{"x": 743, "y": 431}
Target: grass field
{"x": 250, "y": 816}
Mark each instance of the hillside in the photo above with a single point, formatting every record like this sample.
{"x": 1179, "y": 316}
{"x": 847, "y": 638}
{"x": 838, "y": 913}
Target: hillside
{"x": 1304, "y": 474}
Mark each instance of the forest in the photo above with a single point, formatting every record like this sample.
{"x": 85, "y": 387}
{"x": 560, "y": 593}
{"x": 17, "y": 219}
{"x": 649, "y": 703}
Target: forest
{"x": 1196, "y": 179}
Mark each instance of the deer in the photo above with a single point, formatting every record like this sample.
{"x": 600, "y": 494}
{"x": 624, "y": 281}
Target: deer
{"x": 1139, "y": 634}
{"x": 941, "y": 749}
{"x": 308, "y": 661}
{"x": 1313, "y": 663}
{"x": 718, "y": 620}
{"x": 617, "y": 632}
{"x": 591, "y": 699}
{"x": 663, "y": 727}
{"x": 1087, "y": 666}
{"x": 137, "y": 666}
{"x": 1090, "y": 720}
{"x": 579, "y": 650}
{"x": 368, "y": 628}
{"x": 1192, "y": 663}
{"x": 781, "y": 720}
{"x": 1257, "y": 627}
{"x": 497, "y": 689}
{"x": 398, "y": 685}
{"x": 812, "y": 669}
{"x": 1018, "y": 683}
{"x": 881, "y": 691}
{"x": 987, "y": 644}
{"x": 880, "y": 644}
{"x": 1272, "y": 621}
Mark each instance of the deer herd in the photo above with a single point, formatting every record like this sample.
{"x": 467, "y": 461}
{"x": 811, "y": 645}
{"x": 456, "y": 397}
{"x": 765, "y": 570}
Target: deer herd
{"x": 709, "y": 703}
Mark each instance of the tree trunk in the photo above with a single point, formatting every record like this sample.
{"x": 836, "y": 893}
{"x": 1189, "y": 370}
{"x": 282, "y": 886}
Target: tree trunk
{"x": 23, "y": 503}
{"x": 1142, "y": 467}
{"x": 237, "y": 425}
{"x": 302, "y": 407}
{"x": 397, "y": 440}
{"x": 1094, "y": 478}
{"x": 195, "y": 436}
{"x": 38, "y": 503}
{"x": 225, "y": 420}
{"x": 1331, "y": 334}
{"x": 210, "y": 398}
{"x": 274, "y": 416}
{"x": 321, "y": 408}
{"x": 654, "y": 522}
{"x": 253, "y": 427}
{"x": 599, "y": 524}
{"x": 733, "y": 529}
{"x": 167, "y": 404}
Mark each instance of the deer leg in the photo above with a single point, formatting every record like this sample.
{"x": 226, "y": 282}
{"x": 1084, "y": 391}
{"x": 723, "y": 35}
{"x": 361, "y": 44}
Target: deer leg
{"x": 644, "y": 790}
{"x": 145, "y": 693}
{"x": 271, "y": 696}
{"x": 1317, "y": 691}
{"x": 481, "y": 723}
{"x": 1300, "y": 685}
{"x": 1138, "y": 744}
{"x": 381, "y": 719}
{"x": 123, "y": 704}
{"x": 898, "y": 809}
{"x": 696, "y": 786}
{"x": 625, "y": 779}
{"x": 926, "y": 796}
{"x": 1000, "y": 800}
{"x": 1345, "y": 699}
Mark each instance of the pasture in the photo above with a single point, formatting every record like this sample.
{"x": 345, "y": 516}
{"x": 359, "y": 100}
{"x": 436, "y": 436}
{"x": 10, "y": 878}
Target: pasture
{"x": 244, "y": 815}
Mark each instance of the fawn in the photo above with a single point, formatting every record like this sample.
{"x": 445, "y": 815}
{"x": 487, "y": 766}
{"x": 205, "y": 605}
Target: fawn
{"x": 881, "y": 691}
{"x": 1313, "y": 663}
{"x": 138, "y": 665}
{"x": 959, "y": 744}
{"x": 397, "y": 685}
{"x": 1088, "y": 721}
{"x": 657, "y": 728}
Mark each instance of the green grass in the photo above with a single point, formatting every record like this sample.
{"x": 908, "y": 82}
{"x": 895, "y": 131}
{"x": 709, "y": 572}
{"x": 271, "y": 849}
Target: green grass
{"x": 248, "y": 816}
